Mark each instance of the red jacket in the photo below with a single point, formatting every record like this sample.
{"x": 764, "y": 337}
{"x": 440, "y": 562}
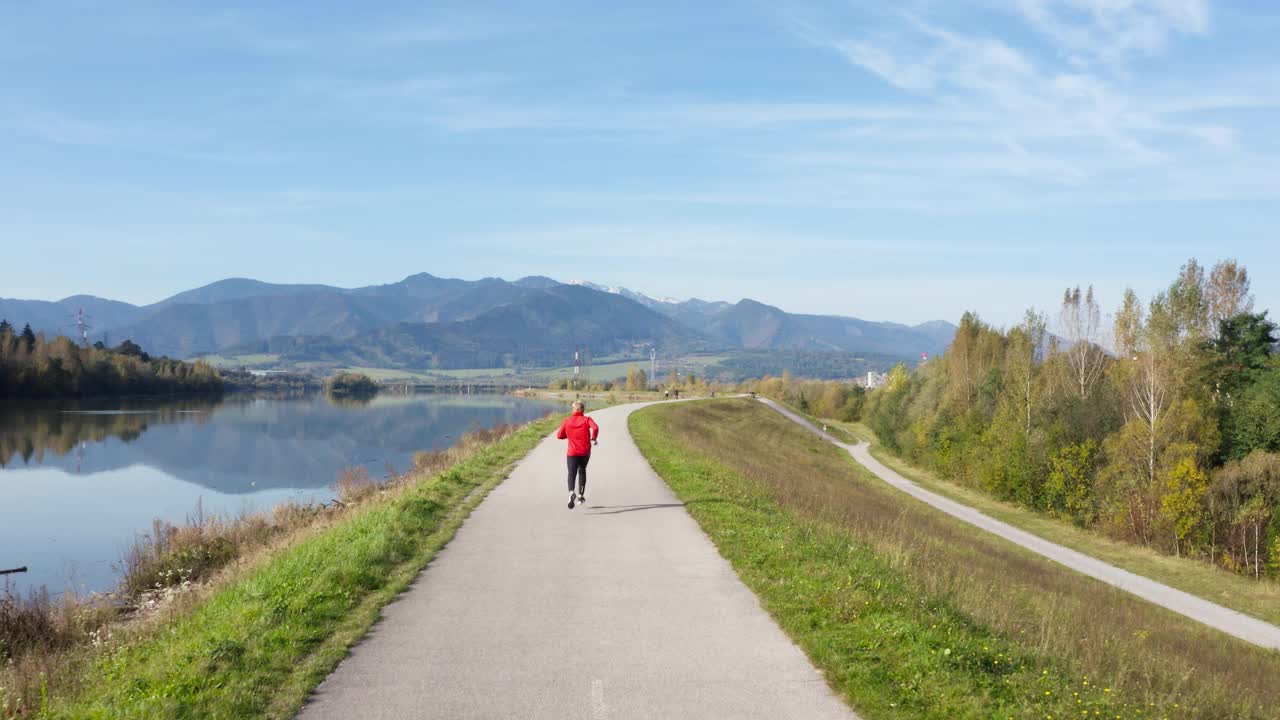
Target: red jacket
{"x": 580, "y": 431}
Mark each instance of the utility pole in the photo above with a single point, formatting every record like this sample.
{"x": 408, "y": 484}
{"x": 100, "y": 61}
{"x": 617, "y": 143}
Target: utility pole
{"x": 653, "y": 365}
{"x": 82, "y": 326}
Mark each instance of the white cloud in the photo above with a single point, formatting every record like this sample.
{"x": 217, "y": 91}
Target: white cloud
{"x": 1003, "y": 117}
{"x": 1111, "y": 30}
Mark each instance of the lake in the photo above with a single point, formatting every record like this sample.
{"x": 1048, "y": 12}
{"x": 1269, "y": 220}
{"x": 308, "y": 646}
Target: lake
{"x": 79, "y": 479}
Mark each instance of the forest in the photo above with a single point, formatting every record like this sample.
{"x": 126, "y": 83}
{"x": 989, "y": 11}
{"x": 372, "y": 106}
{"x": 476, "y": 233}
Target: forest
{"x": 32, "y": 366}
{"x": 1160, "y": 426}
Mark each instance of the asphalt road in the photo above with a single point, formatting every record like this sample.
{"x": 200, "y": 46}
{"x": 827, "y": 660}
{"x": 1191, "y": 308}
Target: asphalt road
{"x": 620, "y": 609}
{"x": 1235, "y": 623}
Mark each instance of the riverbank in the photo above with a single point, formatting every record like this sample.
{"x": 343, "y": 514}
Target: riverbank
{"x": 252, "y": 637}
{"x": 911, "y": 614}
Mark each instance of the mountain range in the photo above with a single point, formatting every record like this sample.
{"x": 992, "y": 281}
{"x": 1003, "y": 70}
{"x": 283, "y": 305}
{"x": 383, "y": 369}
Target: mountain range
{"x": 425, "y": 322}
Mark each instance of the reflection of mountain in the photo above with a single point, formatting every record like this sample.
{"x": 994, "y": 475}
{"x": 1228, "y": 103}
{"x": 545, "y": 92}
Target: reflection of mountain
{"x": 250, "y": 444}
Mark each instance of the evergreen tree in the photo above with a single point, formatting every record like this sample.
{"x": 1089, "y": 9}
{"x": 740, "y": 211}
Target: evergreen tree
{"x": 28, "y": 336}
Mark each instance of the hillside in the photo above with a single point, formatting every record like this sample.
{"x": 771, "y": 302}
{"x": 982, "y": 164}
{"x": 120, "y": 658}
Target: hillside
{"x": 59, "y": 317}
{"x": 425, "y": 321}
{"x": 755, "y": 326}
{"x": 541, "y": 328}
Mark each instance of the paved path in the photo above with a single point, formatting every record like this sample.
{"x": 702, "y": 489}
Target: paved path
{"x": 622, "y": 609}
{"x": 1246, "y": 628}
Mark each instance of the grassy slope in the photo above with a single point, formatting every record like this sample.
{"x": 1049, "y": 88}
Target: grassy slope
{"x": 235, "y": 361}
{"x": 912, "y": 614}
{"x": 1260, "y": 599}
{"x": 257, "y": 647}
{"x": 594, "y": 373}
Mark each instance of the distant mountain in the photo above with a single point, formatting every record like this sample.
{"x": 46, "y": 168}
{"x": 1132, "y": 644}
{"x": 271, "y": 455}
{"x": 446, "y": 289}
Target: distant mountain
{"x": 425, "y": 321}
{"x": 541, "y": 328}
{"x": 755, "y": 326}
{"x": 941, "y": 331}
{"x": 238, "y": 289}
{"x": 60, "y": 316}
{"x": 187, "y": 330}
{"x": 697, "y": 314}
{"x": 540, "y": 282}
{"x": 649, "y": 302}
{"x": 229, "y": 314}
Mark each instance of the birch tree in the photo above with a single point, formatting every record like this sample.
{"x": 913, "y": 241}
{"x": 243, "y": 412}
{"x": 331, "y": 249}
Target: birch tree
{"x": 1227, "y": 293}
{"x": 1079, "y": 323}
{"x": 1025, "y": 353}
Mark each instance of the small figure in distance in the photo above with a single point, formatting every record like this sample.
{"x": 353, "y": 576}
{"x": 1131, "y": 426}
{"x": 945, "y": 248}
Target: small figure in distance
{"x": 666, "y": 394}
{"x": 581, "y": 432}
{"x": 677, "y": 393}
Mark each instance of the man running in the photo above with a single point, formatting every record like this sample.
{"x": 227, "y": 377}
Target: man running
{"x": 581, "y": 432}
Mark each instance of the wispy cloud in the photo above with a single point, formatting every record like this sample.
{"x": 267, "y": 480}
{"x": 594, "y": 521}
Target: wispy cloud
{"x": 1071, "y": 122}
{"x": 1110, "y": 31}
{"x": 56, "y": 127}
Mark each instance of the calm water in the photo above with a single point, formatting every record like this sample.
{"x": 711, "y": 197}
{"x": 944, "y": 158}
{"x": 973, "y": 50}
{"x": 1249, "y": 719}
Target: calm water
{"x": 77, "y": 480}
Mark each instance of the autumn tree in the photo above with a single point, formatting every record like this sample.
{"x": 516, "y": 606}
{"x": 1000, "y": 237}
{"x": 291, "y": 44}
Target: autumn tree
{"x": 1023, "y": 357}
{"x": 1227, "y": 293}
{"x": 1079, "y": 323}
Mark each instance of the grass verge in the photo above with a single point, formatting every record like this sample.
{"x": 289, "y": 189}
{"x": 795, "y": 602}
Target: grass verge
{"x": 256, "y": 646}
{"x": 912, "y": 614}
{"x": 1259, "y": 598}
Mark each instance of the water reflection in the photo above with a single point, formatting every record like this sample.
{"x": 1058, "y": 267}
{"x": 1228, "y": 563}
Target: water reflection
{"x": 30, "y": 433}
{"x": 77, "y": 479}
{"x": 246, "y": 444}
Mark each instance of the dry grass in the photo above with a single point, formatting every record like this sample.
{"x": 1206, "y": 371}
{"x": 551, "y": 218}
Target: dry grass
{"x": 1045, "y": 610}
{"x": 1259, "y": 598}
{"x": 47, "y": 642}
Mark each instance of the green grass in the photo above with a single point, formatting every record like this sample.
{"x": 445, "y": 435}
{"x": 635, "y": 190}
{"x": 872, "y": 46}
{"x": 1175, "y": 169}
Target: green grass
{"x": 912, "y": 614}
{"x": 235, "y": 361}
{"x": 385, "y": 374}
{"x": 257, "y": 647}
{"x": 536, "y": 376}
{"x": 1259, "y": 598}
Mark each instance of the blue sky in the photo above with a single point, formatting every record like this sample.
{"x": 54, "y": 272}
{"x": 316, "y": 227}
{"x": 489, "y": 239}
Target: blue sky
{"x": 894, "y": 163}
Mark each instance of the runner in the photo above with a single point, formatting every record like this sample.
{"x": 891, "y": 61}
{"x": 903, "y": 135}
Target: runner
{"x": 581, "y": 432}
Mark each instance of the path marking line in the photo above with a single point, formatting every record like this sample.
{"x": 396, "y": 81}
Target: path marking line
{"x": 599, "y": 711}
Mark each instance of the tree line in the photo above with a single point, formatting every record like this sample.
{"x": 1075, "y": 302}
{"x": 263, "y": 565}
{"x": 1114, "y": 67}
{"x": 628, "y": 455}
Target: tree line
{"x": 835, "y": 399}
{"x": 32, "y": 366}
{"x": 1162, "y": 429}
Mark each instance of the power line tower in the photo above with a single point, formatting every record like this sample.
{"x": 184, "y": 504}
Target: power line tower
{"x": 577, "y": 366}
{"x": 82, "y": 326}
{"x": 653, "y": 365}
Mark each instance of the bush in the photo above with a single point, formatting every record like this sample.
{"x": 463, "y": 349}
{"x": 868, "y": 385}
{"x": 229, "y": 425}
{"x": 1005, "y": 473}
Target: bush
{"x": 352, "y": 385}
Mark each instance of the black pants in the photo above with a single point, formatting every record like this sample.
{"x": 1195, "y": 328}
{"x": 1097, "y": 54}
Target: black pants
{"x": 578, "y": 467}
